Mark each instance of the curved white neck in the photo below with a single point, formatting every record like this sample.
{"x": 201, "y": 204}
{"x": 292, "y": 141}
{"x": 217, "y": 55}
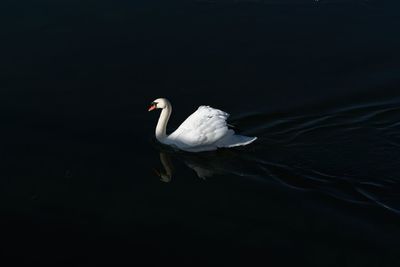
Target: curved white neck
{"x": 161, "y": 129}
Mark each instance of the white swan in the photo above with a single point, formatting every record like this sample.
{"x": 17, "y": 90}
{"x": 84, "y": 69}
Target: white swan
{"x": 204, "y": 130}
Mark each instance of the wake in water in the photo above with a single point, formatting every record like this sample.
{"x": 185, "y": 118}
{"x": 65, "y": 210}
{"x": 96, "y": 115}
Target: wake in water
{"x": 351, "y": 153}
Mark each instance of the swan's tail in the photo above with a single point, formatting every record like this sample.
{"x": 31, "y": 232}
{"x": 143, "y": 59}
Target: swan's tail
{"x": 236, "y": 140}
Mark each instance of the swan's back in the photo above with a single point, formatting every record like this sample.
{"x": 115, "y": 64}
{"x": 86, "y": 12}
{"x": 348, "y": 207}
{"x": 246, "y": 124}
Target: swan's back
{"x": 206, "y": 129}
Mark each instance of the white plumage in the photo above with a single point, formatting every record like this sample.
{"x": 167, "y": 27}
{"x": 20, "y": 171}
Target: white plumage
{"x": 204, "y": 130}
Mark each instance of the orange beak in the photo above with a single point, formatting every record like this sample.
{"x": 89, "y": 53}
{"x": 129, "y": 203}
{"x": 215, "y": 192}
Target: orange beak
{"x": 152, "y": 107}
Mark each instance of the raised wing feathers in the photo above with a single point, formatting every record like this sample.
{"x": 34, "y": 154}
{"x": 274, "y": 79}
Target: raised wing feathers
{"x": 202, "y": 128}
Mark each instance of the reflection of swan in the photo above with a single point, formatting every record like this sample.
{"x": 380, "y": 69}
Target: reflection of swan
{"x": 168, "y": 167}
{"x": 166, "y": 175}
{"x": 204, "y": 130}
{"x": 206, "y": 165}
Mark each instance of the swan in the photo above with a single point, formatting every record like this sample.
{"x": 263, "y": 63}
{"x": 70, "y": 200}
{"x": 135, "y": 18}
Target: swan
{"x": 204, "y": 130}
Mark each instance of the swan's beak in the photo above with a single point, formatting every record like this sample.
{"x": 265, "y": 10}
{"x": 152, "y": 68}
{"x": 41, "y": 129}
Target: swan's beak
{"x": 152, "y": 107}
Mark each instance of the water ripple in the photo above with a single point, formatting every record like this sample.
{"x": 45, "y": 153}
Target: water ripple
{"x": 350, "y": 153}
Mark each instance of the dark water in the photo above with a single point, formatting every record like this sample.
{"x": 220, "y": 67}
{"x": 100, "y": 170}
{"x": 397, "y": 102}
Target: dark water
{"x": 83, "y": 180}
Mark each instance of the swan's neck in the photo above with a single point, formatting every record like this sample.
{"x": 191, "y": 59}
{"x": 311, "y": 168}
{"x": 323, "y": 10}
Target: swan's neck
{"x": 161, "y": 129}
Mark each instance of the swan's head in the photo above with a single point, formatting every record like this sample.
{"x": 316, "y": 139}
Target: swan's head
{"x": 159, "y": 103}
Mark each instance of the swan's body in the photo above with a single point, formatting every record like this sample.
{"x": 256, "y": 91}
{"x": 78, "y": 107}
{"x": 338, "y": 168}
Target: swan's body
{"x": 205, "y": 130}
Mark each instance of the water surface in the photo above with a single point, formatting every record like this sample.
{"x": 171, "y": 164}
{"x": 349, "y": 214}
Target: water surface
{"x": 83, "y": 180}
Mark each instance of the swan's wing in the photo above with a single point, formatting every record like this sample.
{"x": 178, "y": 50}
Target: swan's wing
{"x": 204, "y": 127}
